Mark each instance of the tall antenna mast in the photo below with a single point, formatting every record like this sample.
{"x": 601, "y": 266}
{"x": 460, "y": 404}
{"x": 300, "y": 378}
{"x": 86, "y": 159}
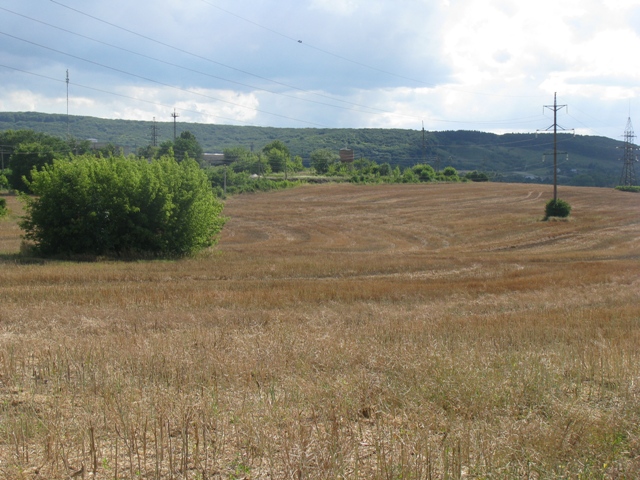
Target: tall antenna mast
{"x": 628, "y": 177}
{"x": 174, "y": 115}
{"x": 68, "y": 134}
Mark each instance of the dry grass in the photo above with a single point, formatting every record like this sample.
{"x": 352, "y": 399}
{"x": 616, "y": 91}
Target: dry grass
{"x": 431, "y": 331}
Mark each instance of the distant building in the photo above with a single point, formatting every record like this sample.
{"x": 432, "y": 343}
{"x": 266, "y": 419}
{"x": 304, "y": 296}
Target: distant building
{"x": 346, "y": 155}
{"x": 97, "y": 145}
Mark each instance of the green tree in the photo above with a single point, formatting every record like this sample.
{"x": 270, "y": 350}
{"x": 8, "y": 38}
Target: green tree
{"x": 109, "y": 150}
{"x": 238, "y": 155}
{"x": 295, "y": 165}
{"x": 425, "y": 172}
{"x": 322, "y": 159}
{"x": 241, "y": 159}
{"x": 118, "y": 205}
{"x": 26, "y": 157}
{"x": 278, "y": 145}
{"x": 24, "y": 149}
{"x": 385, "y": 169}
{"x": 277, "y": 155}
{"x": 451, "y": 174}
{"x": 165, "y": 149}
{"x": 149, "y": 152}
{"x": 410, "y": 176}
{"x": 186, "y": 145}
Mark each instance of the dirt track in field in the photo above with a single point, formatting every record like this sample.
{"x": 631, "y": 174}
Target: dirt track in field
{"x": 432, "y": 219}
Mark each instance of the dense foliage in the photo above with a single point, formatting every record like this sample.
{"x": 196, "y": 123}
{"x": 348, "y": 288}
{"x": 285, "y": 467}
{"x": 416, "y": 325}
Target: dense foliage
{"x": 512, "y": 157}
{"x": 227, "y": 181}
{"x": 322, "y": 159}
{"x": 119, "y": 205}
{"x": 628, "y": 188}
{"x": 3, "y": 207}
{"x": 27, "y": 149}
{"x": 476, "y": 176}
{"x": 557, "y": 208}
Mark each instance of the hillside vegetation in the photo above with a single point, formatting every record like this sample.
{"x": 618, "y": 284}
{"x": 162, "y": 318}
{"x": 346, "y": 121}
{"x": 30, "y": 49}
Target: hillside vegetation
{"x": 592, "y": 161}
{"x": 337, "y": 331}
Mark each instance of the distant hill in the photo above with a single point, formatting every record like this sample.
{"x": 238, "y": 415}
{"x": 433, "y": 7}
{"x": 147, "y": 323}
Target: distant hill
{"x": 517, "y": 157}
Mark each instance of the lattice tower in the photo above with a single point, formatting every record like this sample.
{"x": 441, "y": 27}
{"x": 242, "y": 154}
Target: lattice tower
{"x": 628, "y": 177}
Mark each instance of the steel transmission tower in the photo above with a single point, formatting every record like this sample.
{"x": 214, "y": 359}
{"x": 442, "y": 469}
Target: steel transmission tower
{"x": 154, "y": 133}
{"x": 555, "y": 108}
{"x": 628, "y": 177}
{"x": 175, "y": 116}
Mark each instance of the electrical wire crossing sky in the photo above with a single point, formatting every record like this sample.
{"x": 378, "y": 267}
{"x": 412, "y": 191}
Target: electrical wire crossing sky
{"x": 487, "y": 65}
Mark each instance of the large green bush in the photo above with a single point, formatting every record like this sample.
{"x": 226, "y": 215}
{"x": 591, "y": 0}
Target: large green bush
{"x": 425, "y": 172}
{"x": 118, "y": 205}
{"x": 557, "y": 208}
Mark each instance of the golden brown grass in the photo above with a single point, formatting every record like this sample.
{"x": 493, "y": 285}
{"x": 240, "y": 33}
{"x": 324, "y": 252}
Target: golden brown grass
{"x": 337, "y": 331}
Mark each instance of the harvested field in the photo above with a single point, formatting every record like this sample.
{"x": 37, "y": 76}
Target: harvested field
{"x": 337, "y": 331}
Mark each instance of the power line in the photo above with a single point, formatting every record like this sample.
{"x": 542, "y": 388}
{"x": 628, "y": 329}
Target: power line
{"x": 376, "y": 111}
{"x": 178, "y": 49}
{"x": 157, "y": 104}
{"x": 161, "y": 83}
{"x": 356, "y": 62}
{"x": 282, "y": 83}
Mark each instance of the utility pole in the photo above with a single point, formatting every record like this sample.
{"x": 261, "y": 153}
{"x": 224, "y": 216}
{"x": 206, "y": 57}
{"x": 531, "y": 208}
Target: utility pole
{"x": 555, "y": 108}
{"x": 154, "y": 133}
{"x": 68, "y": 130}
{"x": 424, "y": 145}
{"x": 174, "y": 115}
{"x": 628, "y": 177}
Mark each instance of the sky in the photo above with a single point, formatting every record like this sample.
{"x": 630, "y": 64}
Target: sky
{"x": 486, "y": 65}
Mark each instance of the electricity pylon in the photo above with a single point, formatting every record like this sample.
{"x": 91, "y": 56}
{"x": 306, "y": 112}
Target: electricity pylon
{"x": 555, "y": 107}
{"x": 628, "y": 177}
{"x": 175, "y": 116}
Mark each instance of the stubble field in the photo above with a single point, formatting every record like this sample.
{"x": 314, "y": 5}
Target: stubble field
{"x": 337, "y": 331}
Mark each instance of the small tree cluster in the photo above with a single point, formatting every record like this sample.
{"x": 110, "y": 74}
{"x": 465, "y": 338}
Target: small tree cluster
{"x": 557, "y": 208}
{"x": 322, "y": 159}
{"x": 476, "y": 176}
{"x": 118, "y": 205}
{"x": 185, "y": 146}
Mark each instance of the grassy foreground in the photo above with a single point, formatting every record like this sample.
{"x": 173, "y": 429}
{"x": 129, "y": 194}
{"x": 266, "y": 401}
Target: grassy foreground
{"x": 337, "y": 331}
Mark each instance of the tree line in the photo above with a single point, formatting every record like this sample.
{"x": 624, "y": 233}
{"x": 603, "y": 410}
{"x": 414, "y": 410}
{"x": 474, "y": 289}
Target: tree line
{"x": 510, "y": 157}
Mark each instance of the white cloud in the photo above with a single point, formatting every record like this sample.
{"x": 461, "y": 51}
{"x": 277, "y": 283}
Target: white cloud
{"x": 474, "y": 64}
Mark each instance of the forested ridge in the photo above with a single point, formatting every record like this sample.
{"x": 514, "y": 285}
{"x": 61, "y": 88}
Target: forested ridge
{"x": 519, "y": 157}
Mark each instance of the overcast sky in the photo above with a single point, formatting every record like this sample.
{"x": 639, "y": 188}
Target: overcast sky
{"x": 489, "y": 65}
